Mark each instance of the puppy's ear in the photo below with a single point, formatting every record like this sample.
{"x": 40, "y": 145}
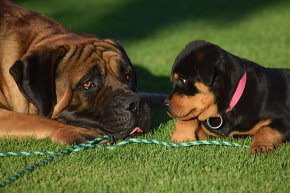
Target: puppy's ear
{"x": 34, "y": 75}
{"x": 205, "y": 59}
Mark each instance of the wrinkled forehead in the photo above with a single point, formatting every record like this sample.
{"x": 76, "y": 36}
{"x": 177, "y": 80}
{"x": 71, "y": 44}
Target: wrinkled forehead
{"x": 81, "y": 57}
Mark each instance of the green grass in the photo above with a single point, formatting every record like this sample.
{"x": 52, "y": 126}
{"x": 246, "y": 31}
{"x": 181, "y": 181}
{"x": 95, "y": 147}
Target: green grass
{"x": 153, "y": 33}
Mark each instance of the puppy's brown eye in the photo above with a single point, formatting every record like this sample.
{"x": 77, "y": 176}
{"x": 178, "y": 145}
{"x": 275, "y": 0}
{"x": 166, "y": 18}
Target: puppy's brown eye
{"x": 87, "y": 85}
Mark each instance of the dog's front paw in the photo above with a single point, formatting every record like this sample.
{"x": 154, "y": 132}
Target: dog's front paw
{"x": 262, "y": 148}
{"x": 75, "y": 135}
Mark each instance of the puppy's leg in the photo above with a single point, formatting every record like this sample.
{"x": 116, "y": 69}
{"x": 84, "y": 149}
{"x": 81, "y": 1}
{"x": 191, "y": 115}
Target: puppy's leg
{"x": 21, "y": 126}
{"x": 201, "y": 134}
{"x": 187, "y": 131}
{"x": 266, "y": 139}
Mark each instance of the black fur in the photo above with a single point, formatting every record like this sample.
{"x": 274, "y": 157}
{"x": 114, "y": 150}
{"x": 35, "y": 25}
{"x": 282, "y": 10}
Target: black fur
{"x": 266, "y": 94}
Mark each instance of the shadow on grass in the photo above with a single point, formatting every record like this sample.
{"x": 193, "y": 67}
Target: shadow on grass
{"x": 137, "y": 19}
{"x": 147, "y": 82}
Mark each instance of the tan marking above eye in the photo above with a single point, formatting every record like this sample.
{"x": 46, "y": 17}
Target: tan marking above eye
{"x": 175, "y": 76}
{"x": 88, "y": 84}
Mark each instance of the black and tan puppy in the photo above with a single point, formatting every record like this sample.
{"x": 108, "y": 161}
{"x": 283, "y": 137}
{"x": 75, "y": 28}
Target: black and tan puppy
{"x": 62, "y": 85}
{"x": 219, "y": 94}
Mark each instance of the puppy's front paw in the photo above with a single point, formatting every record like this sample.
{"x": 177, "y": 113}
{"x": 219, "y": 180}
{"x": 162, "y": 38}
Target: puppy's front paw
{"x": 182, "y": 137}
{"x": 75, "y": 135}
{"x": 262, "y": 148}
{"x": 184, "y": 131}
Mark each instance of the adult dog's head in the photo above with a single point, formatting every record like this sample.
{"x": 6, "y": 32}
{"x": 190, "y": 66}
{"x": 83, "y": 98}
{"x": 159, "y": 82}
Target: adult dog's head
{"x": 204, "y": 78}
{"x": 83, "y": 81}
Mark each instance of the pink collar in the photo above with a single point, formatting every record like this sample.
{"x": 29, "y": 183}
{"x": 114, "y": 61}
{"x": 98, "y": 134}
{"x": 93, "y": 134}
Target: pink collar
{"x": 237, "y": 95}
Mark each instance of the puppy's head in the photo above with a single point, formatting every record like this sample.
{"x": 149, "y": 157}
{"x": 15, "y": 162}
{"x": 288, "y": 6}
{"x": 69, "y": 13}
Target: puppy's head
{"x": 83, "y": 81}
{"x": 201, "y": 81}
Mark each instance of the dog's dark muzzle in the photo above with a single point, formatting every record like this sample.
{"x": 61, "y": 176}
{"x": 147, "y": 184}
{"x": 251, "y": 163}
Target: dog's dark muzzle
{"x": 122, "y": 116}
{"x": 132, "y": 117}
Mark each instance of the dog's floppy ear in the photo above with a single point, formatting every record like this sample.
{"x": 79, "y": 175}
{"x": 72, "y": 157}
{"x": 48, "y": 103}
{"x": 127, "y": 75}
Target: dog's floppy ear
{"x": 34, "y": 75}
{"x": 206, "y": 58}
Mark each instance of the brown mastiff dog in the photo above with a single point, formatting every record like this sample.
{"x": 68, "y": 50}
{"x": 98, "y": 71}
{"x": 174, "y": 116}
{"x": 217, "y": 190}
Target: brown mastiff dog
{"x": 66, "y": 86}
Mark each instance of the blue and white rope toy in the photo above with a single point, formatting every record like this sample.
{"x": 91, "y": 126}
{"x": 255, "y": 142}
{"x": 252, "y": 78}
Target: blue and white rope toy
{"x": 93, "y": 144}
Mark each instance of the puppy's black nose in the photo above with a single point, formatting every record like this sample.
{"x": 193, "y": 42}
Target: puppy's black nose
{"x": 167, "y": 105}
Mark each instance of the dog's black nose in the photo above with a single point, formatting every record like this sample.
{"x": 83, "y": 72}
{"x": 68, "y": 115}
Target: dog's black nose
{"x": 133, "y": 103}
{"x": 167, "y": 105}
{"x": 133, "y": 106}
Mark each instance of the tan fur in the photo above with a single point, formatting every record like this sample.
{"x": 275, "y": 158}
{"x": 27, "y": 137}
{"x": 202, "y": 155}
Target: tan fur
{"x": 266, "y": 139}
{"x": 21, "y": 126}
{"x": 253, "y": 130}
{"x": 175, "y": 76}
{"x": 188, "y": 131}
{"x": 23, "y": 31}
{"x": 185, "y": 131}
{"x": 64, "y": 97}
{"x": 200, "y": 133}
{"x": 201, "y": 105}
